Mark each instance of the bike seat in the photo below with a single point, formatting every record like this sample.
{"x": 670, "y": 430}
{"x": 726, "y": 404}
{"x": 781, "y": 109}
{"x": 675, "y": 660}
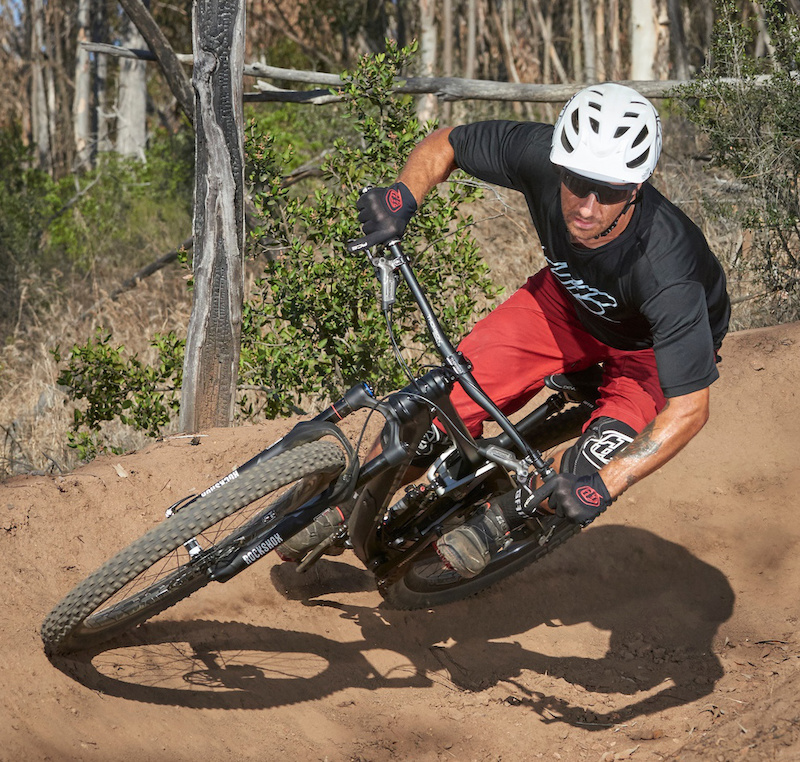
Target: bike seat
{"x": 578, "y": 385}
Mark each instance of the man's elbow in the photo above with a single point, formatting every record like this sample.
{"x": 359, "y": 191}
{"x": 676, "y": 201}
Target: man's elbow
{"x": 694, "y": 410}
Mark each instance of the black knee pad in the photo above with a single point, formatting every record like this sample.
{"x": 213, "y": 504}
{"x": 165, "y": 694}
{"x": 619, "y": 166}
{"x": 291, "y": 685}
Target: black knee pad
{"x": 597, "y": 445}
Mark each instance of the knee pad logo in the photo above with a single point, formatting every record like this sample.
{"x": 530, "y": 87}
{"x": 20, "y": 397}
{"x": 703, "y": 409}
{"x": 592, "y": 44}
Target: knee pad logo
{"x": 599, "y": 451}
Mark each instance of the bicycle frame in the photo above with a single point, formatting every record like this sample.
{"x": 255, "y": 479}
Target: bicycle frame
{"x": 408, "y": 414}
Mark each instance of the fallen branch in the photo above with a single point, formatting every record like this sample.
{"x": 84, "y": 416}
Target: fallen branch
{"x": 145, "y": 272}
{"x": 446, "y": 88}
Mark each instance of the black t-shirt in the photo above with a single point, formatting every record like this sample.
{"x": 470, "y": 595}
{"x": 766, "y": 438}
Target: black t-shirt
{"x": 655, "y": 285}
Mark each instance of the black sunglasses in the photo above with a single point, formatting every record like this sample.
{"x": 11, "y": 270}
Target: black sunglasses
{"x": 605, "y": 194}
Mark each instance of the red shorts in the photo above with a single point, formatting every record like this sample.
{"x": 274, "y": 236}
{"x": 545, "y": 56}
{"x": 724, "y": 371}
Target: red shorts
{"x": 536, "y": 333}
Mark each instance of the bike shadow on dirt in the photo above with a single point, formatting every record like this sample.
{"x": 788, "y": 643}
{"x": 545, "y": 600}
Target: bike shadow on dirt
{"x": 645, "y": 609}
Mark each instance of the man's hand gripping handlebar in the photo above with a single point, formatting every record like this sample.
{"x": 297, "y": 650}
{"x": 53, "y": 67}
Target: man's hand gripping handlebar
{"x": 384, "y": 214}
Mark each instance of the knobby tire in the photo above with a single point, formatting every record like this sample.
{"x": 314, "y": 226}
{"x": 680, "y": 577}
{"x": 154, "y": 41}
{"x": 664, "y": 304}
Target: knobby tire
{"x": 427, "y": 583}
{"x": 85, "y": 618}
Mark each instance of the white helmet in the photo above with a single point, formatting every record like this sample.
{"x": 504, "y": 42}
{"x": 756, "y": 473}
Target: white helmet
{"x": 609, "y": 133}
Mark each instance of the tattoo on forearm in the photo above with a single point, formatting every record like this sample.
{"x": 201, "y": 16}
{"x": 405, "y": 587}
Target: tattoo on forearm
{"x": 643, "y": 446}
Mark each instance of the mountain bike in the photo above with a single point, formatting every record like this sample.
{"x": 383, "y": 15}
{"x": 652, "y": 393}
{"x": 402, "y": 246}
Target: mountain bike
{"x": 213, "y": 536}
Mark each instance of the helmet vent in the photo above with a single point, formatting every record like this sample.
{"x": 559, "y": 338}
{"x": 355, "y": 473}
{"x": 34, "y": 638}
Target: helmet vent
{"x": 637, "y": 162}
{"x": 595, "y": 125}
{"x": 621, "y": 131}
{"x": 640, "y": 137}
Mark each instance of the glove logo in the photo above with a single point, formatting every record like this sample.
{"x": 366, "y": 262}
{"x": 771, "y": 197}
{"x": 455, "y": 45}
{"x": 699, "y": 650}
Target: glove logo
{"x": 394, "y": 200}
{"x": 589, "y": 496}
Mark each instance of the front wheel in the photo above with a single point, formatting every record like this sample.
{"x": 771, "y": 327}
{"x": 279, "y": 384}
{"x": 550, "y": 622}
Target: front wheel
{"x": 428, "y": 583}
{"x": 172, "y": 560}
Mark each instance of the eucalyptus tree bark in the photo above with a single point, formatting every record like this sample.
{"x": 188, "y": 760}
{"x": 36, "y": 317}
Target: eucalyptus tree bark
{"x": 471, "y": 44}
{"x": 211, "y": 365}
{"x": 132, "y": 98}
{"x": 100, "y": 114}
{"x": 40, "y": 119}
{"x": 680, "y": 53}
{"x": 614, "y": 53}
{"x": 587, "y": 30}
{"x": 601, "y": 68}
{"x": 82, "y": 99}
{"x": 170, "y": 66}
{"x": 644, "y": 39}
{"x": 428, "y": 40}
{"x": 578, "y": 73}
{"x": 447, "y": 51}
{"x": 663, "y": 59}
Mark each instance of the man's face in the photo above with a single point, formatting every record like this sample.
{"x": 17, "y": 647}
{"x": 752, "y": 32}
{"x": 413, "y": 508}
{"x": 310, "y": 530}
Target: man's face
{"x": 590, "y": 208}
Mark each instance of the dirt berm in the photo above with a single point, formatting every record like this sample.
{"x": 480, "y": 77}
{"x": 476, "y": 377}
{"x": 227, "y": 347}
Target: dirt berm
{"x": 667, "y": 630}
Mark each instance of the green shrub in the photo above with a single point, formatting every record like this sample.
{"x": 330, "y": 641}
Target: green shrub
{"x": 126, "y": 209}
{"x": 313, "y": 326}
{"x": 116, "y": 386}
{"x": 29, "y": 199}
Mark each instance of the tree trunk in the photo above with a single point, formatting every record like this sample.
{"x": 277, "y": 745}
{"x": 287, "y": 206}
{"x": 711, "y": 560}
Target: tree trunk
{"x": 680, "y": 54}
{"x": 40, "y": 120}
{"x": 601, "y": 69}
{"x": 644, "y": 39}
{"x": 614, "y": 52}
{"x": 426, "y": 107}
{"x": 100, "y": 81}
{"x": 211, "y": 365}
{"x": 82, "y": 103}
{"x": 173, "y": 72}
{"x": 470, "y": 63}
{"x": 132, "y": 98}
{"x": 587, "y": 32}
{"x": 663, "y": 58}
{"x": 578, "y": 72}
{"x": 447, "y": 51}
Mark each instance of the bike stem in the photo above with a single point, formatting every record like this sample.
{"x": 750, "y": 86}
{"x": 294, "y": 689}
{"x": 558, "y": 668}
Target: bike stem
{"x": 453, "y": 359}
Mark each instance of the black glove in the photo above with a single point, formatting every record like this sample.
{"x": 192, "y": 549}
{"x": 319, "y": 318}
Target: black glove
{"x": 383, "y": 214}
{"x": 581, "y": 499}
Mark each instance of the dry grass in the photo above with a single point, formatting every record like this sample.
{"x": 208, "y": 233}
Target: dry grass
{"x": 35, "y": 414}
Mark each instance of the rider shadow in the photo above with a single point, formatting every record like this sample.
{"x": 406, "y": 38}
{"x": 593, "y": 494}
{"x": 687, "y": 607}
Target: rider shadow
{"x": 660, "y": 605}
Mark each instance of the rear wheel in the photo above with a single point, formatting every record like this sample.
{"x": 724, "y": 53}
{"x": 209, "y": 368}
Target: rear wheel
{"x": 428, "y": 582}
{"x": 172, "y": 560}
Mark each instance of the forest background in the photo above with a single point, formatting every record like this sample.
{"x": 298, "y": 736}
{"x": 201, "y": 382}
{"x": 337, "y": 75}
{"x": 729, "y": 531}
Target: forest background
{"x": 96, "y": 179}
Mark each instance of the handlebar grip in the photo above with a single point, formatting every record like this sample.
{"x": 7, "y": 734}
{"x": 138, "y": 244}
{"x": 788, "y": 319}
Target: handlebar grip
{"x": 358, "y": 244}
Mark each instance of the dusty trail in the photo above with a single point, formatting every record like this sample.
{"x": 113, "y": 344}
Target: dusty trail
{"x": 665, "y": 631}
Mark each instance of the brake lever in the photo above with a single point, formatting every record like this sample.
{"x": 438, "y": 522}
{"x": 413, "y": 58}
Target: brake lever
{"x": 538, "y": 496}
{"x": 387, "y": 273}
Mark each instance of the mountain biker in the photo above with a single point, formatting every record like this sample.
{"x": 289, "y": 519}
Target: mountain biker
{"x": 630, "y": 282}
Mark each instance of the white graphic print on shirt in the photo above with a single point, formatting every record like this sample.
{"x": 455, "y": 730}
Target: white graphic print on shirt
{"x": 593, "y": 299}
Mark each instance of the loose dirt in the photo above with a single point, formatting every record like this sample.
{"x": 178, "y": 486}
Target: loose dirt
{"x": 667, "y": 630}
